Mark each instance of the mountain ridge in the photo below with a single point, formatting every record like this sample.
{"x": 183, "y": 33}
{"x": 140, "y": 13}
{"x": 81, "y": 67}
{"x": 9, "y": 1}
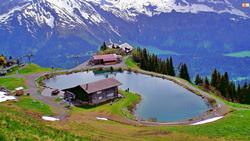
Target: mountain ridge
{"x": 55, "y": 29}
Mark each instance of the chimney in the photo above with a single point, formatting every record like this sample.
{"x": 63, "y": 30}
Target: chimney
{"x": 87, "y": 86}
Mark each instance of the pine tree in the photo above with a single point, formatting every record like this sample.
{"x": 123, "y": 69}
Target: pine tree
{"x": 244, "y": 95}
{"x": 214, "y": 79}
{"x": 206, "y": 83}
{"x": 198, "y": 80}
{"x": 239, "y": 93}
{"x": 103, "y": 47}
{"x": 226, "y": 77}
{"x": 222, "y": 87}
{"x": 184, "y": 73}
{"x": 171, "y": 67}
{"x": 231, "y": 91}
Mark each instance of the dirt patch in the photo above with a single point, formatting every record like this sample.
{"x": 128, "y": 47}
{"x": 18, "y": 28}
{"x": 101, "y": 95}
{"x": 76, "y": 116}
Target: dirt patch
{"x": 150, "y": 132}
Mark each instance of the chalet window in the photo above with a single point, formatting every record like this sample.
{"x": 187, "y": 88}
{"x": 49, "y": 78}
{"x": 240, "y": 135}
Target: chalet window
{"x": 99, "y": 92}
{"x": 100, "y": 98}
{"x": 110, "y": 95}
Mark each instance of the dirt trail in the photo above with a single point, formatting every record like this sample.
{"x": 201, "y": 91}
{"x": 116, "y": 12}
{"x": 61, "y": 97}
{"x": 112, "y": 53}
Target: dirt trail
{"x": 58, "y": 109}
{"x": 85, "y": 65}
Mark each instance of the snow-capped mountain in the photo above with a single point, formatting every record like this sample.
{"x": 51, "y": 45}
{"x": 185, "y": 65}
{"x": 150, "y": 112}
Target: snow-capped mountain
{"x": 62, "y": 14}
{"x": 74, "y": 13}
{"x": 129, "y": 9}
{"x": 190, "y": 30}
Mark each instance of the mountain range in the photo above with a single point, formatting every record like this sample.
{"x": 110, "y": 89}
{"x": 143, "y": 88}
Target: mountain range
{"x": 198, "y": 32}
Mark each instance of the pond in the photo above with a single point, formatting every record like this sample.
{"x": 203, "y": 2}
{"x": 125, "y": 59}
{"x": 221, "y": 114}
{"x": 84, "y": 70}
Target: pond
{"x": 162, "y": 100}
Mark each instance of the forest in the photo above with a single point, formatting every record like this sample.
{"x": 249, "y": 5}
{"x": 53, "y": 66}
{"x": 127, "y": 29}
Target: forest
{"x": 218, "y": 83}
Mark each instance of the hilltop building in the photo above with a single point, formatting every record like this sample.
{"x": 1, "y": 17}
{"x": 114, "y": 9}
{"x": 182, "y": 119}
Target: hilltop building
{"x": 107, "y": 59}
{"x": 95, "y": 92}
{"x": 126, "y": 47}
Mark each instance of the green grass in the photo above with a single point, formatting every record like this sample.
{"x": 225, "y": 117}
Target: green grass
{"x": 123, "y": 106}
{"x": 241, "y": 54}
{"x": 120, "y": 107}
{"x": 18, "y": 125}
{"x": 235, "y": 126}
{"x": 131, "y": 64}
{"x": 12, "y": 83}
{"x": 13, "y": 70}
{"x": 32, "y": 69}
{"x": 21, "y": 124}
{"x": 28, "y": 103}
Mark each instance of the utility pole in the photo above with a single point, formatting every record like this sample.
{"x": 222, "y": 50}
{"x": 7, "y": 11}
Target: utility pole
{"x": 29, "y": 56}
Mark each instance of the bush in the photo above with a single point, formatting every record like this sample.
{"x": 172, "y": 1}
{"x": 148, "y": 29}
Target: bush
{"x": 111, "y": 69}
{"x": 120, "y": 69}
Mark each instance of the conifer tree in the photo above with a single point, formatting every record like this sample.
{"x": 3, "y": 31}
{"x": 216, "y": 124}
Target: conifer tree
{"x": 198, "y": 80}
{"x": 171, "y": 67}
{"x": 206, "y": 83}
{"x": 184, "y": 73}
{"x": 214, "y": 79}
{"x": 103, "y": 47}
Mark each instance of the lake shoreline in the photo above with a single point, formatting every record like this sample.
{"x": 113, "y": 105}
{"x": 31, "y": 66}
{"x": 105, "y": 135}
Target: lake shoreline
{"x": 217, "y": 109}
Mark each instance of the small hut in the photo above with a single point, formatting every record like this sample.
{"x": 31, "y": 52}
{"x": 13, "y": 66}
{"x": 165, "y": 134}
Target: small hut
{"x": 19, "y": 91}
{"x": 107, "y": 59}
{"x": 95, "y": 92}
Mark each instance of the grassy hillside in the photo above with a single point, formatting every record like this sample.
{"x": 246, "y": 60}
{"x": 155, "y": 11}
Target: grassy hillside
{"x": 130, "y": 63}
{"x": 120, "y": 107}
{"x": 11, "y": 83}
{"x": 22, "y": 121}
{"x": 33, "y": 68}
{"x": 235, "y": 126}
{"x": 18, "y": 124}
{"x": 29, "y": 104}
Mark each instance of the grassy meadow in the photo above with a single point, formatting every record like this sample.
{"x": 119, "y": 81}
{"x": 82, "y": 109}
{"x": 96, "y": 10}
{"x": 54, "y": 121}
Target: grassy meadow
{"x": 11, "y": 83}
{"x": 22, "y": 121}
{"x": 32, "y": 69}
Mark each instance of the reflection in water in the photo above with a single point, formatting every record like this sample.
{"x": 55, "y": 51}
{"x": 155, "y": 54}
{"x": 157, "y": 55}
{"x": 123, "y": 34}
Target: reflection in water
{"x": 162, "y": 100}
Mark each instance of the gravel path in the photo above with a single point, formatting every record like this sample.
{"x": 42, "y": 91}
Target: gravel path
{"x": 58, "y": 109}
{"x": 85, "y": 65}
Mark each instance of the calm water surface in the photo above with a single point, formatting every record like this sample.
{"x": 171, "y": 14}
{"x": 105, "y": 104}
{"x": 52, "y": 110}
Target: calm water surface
{"x": 161, "y": 99}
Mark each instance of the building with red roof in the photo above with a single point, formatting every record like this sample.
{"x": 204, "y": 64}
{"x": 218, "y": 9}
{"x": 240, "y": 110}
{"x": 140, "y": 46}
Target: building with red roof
{"x": 107, "y": 59}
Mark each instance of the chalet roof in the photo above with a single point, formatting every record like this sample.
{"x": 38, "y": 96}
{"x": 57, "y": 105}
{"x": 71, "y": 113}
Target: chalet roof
{"x": 106, "y": 57}
{"x": 100, "y": 85}
{"x": 111, "y": 45}
{"x": 126, "y": 46}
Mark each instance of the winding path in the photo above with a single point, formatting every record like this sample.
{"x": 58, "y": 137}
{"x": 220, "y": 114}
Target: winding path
{"x": 57, "y": 108}
{"x": 61, "y": 112}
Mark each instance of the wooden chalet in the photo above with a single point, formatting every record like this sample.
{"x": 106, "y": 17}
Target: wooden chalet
{"x": 95, "y": 92}
{"x": 127, "y": 48}
{"x": 107, "y": 59}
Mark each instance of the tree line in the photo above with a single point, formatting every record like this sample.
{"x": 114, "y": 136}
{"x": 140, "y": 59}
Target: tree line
{"x": 226, "y": 88}
{"x": 218, "y": 82}
{"x": 152, "y": 62}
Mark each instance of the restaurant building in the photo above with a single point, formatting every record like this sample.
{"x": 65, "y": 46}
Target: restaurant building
{"x": 95, "y": 92}
{"x": 107, "y": 59}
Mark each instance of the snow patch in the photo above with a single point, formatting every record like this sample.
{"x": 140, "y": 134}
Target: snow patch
{"x": 7, "y": 15}
{"x": 4, "y": 97}
{"x": 207, "y": 120}
{"x": 100, "y": 118}
{"x": 128, "y": 9}
{"x": 47, "y": 118}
